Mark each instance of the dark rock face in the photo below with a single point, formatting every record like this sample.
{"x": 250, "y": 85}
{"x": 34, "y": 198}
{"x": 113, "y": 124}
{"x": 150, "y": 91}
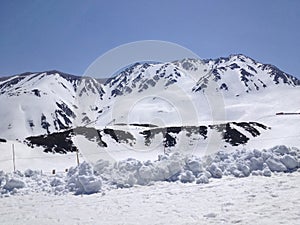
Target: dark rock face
{"x": 37, "y": 92}
{"x": 11, "y": 82}
{"x": 44, "y": 123}
{"x": 233, "y": 136}
{"x": 119, "y": 136}
{"x": 56, "y": 142}
{"x": 61, "y": 142}
{"x": 169, "y": 134}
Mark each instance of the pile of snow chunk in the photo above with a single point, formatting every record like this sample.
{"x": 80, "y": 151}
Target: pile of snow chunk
{"x": 78, "y": 180}
{"x": 188, "y": 168}
{"x": 255, "y": 162}
{"x": 13, "y": 183}
{"x": 82, "y": 180}
{"x": 127, "y": 173}
{"x": 89, "y": 179}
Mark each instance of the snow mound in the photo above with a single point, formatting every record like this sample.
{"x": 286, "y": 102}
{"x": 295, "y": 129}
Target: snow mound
{"x": 188, "y": 168}
{"x": 104, "y": 175}
{"x": 82, "y": 180}
{"x": 13, "y": 184}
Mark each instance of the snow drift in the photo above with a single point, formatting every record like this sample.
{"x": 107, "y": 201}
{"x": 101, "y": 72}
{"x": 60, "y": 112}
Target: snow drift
{"x": 103, "y": 175}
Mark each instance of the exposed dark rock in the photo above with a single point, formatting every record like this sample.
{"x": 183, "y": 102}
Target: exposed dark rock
{"x": 44, "y": 123}
{"x": 224, "y": 86}
{"x": 234, "y": 66}
{"x": 61, "y": 142}
{"x": 56, "y": 142}
{"x": 120, "y": 136}
{"x": 36, "y": 92}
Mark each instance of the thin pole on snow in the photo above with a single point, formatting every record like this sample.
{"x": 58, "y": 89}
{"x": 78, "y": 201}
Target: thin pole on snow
{"x": 77, "y": 157}
{"x": 14, "y": 157}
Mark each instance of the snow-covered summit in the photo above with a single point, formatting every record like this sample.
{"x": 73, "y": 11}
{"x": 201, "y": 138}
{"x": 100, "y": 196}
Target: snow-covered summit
{"x": 237, "y": 74}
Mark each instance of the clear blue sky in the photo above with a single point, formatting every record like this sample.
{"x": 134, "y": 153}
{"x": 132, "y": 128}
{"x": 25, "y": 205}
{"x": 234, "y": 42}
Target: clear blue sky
{"x": 39, "y": 35}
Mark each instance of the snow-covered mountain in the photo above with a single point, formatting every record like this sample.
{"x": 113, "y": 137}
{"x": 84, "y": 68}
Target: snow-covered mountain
{"x": 237, "y": 73}
{"x": 188, "y": 92}
{"x": 227, "y": 72}
{"x": 41, "y": 103}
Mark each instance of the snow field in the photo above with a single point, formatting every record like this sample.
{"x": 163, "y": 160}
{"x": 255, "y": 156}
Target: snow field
{"x": 103, "y": 175}
{"x": 251, "y": 200}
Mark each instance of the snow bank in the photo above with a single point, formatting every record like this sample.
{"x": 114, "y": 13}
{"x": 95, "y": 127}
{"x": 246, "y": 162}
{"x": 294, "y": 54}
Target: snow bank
{"x": 13, "y": 184}
{"x": 187, "y": 169}
{"x": 89, "y": 179}
{"x": 78, "y": 180}
{"x": 82, "y": 180}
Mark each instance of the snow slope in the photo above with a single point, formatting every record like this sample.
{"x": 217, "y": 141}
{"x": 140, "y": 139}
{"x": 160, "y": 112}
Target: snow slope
{"x": 41, "y": 103}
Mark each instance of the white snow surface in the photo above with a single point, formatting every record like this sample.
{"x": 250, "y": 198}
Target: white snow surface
{"x": 251, "y": 200}
{"x": 223, "y": 188}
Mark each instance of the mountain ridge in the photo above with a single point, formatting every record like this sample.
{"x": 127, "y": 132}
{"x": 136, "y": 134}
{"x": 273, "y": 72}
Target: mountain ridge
{"x": 168, "y": 94}
{"x": 238, "y": 55}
